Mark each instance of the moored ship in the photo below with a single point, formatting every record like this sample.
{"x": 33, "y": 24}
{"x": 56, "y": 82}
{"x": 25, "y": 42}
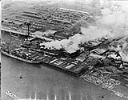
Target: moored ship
{"x": 21, "y": 59}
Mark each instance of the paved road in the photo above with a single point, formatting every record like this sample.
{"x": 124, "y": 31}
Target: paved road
{"x": 25, "y": 80}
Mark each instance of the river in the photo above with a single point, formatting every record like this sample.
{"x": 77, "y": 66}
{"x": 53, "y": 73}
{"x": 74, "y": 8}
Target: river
{"x": 28, "y": 80}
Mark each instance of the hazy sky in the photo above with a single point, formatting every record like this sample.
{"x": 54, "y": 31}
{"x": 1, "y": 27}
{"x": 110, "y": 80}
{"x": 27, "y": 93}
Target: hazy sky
{"x": 69, "y": 1}
{"x": 102, "y": 2}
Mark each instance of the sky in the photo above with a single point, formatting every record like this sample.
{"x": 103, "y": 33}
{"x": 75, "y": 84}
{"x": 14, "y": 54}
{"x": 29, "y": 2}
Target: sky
{"x": 102, "y": 2}
{"x": 68, "y": 1}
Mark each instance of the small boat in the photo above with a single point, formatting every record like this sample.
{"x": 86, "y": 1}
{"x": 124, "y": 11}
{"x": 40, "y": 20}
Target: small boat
{"x": 18, "y": 58}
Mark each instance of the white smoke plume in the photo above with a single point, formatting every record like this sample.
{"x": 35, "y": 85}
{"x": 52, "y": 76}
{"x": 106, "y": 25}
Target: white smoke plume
{"x": 70, "y": 45}
{"x": 115, "y": 19}
{"x": 113, "y": 22}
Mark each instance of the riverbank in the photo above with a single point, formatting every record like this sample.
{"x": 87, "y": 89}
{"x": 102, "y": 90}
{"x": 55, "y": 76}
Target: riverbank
{"x": 25, "y": 80}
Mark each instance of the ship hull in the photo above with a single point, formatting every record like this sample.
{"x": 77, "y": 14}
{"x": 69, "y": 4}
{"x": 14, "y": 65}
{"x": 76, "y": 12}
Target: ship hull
{"x": 18, "y": 58}
{"x": 41, "y": 62}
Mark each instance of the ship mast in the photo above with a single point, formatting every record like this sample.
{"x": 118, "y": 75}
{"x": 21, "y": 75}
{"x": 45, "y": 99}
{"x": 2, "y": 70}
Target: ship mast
{"x": 28, "y": 26}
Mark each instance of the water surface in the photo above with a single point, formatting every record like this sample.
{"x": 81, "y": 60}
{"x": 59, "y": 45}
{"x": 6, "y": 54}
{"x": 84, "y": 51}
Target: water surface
{"x": 25, "y": 80}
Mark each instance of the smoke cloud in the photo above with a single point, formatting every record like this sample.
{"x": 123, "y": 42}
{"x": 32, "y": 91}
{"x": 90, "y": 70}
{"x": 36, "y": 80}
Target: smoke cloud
{"x": 114, "y": 19}
{"x": 113, "y": 22}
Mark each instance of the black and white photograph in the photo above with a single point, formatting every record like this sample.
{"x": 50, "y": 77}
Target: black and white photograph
{"x": 64, "y": 49}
